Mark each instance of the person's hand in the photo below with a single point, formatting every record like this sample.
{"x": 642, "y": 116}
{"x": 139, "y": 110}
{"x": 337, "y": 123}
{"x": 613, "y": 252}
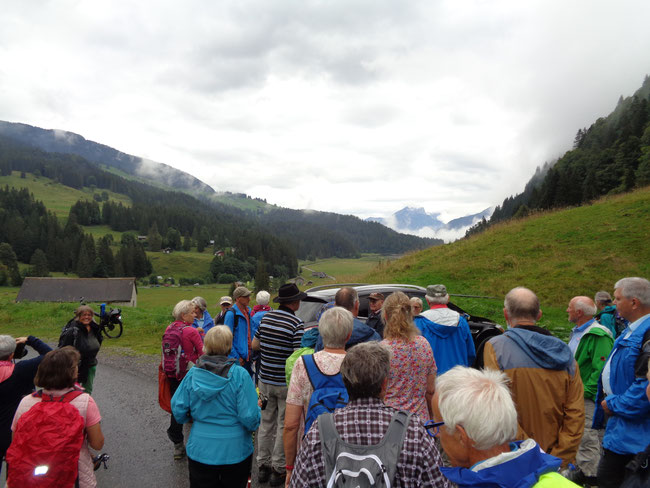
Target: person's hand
{"x": 604, "y": 405}
{"x": 21, "y": 340}
{"x": 288, "y": 478}
{"x": 241, "y": 362}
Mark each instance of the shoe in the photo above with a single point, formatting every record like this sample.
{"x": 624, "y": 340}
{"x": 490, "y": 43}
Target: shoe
{"x": 179, "y": 451}
{"x": 263, "y": 474}
{"x": 277, "y": 479}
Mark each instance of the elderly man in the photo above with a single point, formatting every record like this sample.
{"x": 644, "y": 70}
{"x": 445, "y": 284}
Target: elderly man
{"x": 348, "y": 298}
{"x": 477, "y": 422}
{"x": 621, "y": 390}
{"x": 278, "y": 336}
{"x": 375, "y": 320}
{"x": 335, "y": 328}
{"x": 363, "y": 423}
{"x": 545, "y": 381}
{"x": 446, "y": 330}
{"x": 16, "y": 380}
{"x": 238, "y": 320}
{"x": 590, "y": 344}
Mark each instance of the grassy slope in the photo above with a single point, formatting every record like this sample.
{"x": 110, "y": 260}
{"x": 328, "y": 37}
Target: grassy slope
{"x": 557, "y": 254}
{"x": 56, "y": 197}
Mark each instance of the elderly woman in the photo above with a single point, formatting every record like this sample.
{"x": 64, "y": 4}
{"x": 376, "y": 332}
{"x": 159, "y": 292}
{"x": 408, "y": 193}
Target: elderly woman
{"x": 202, "y": 320}
{"x": 219, "y": 396}
{"x": 335, "y": 327}
{"x": 84, "y": 334}
{"x": 192, "y": 345}
{"x": 57, "y": 375}
{"x": 416, "y": 306}
{"x": 412, "y": 368}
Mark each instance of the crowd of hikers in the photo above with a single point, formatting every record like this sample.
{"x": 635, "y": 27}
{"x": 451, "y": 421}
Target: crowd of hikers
{"x": 391, "y": 401}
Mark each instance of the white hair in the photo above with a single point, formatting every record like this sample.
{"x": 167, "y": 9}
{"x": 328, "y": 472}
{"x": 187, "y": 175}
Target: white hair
{"x": 262, "y": 297}
{"x": 437, "y": 300}
{"x": 585, "y": 305}
{"x": 334, "y": 326}
{"x": 183, "y": 308}
{"x": 481, "y": 402}
{"x": 7, "y": 347}
{"x": 635, "y": 287}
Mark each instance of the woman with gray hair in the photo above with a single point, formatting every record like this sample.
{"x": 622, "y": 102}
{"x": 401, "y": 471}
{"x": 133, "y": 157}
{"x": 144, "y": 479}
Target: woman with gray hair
{"x": 202, "y": 321}
{"x": 180, "y": 333}
{"x": 335, "y": 327}
{"x": 219, "y": 396}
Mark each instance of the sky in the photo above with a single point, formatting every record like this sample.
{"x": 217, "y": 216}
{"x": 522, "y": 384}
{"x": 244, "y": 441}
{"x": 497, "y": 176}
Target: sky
{"x": 352, "y": 106}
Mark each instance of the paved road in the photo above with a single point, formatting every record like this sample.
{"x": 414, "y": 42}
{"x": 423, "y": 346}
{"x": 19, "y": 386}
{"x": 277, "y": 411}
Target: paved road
{"x": 126, "y": 391}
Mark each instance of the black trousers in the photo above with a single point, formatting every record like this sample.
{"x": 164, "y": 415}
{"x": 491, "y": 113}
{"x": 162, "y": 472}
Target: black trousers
{"x": 216, "y": 476}
{"x": 611, "y": 469}
{"x": 175, "y": 430}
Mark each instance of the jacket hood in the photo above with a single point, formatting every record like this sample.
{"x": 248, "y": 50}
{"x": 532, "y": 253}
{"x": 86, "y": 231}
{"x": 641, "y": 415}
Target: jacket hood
{"x": 442, "y": 331}
{"x": 360, "y": 333}
{"x": 520, "y": 467}
{"x": 310, "y": 337}
{"x": 210, "y": 376}
{"x": 546, "y": 351}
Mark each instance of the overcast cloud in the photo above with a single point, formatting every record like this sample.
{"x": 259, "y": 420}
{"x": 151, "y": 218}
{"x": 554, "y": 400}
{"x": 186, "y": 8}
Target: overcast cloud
{"x": 355, "y": 106}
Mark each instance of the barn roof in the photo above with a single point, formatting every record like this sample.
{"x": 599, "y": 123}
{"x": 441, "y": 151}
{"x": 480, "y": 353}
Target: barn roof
{"x": 74, "y": 289}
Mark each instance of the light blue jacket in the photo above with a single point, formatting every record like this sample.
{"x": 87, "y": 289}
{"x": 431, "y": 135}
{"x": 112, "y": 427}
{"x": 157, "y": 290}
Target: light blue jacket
{"x": 451, "y": 345}
{"x": 208, "y": 323}
{"x": 628, "y": 429}
{"x": 239, "y": 333}
{"x": 224, "y": 410}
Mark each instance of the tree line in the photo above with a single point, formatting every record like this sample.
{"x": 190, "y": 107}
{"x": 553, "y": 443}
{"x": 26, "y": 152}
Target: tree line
{"x": 611, "y": 156}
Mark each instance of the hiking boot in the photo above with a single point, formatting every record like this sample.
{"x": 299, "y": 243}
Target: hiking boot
{"x": 263, "y": 474}
{"x": 179, "y": 451}
{"x": 277, "y": 479}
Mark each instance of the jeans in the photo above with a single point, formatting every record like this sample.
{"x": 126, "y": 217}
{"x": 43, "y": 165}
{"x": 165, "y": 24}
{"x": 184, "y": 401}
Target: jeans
{"x": 175, "y": 430}
{"x": 270, "y": 448}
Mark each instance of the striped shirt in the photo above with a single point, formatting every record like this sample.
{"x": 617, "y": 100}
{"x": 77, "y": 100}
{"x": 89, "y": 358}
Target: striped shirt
{"x": 279, "y": 334}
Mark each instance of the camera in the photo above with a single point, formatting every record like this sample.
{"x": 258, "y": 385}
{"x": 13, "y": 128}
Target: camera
{"x": 20, "y": 352}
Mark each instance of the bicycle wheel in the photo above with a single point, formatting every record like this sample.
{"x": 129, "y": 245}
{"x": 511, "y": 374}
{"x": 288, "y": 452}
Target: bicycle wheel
{"x": 113, "y": 331}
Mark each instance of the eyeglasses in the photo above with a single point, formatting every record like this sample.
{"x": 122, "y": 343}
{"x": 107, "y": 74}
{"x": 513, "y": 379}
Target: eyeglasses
{"x": 433, "y": 428}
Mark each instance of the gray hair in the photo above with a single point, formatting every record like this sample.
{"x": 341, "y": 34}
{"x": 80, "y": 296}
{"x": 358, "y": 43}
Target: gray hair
{"x": 603, "y": 297}
{"x": 182, "y": 308}
{"x": 262, "y": 297}
{"x": 522, "y": 303}
{"x": 481, "y": 402}
{"x": 346, "y": 297}
{"x": 586, "y": 305}
{"x": 7, "y": 347}
{"x": 200, "y": 302}
{"x": 364, "y": 369}
{"x": 335, "y": 326}
{"x": 635, "y": 287}
{"x": 437, "y": 300}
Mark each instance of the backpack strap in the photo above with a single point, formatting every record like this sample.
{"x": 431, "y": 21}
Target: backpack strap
{"x": 397, "y": 428}
{"x": 67, "y": 397}
{"x": 317, "y": 378}
{"x": 235, "y": 319}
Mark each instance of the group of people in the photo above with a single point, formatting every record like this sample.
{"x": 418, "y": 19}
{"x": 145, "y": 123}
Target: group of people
{"x": 394, "y": 398}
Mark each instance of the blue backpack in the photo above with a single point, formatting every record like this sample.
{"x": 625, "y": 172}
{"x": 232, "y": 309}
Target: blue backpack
{"x": 329, "y": 392}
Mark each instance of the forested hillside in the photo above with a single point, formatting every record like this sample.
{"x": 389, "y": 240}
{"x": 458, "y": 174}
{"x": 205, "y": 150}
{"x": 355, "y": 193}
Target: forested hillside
{"x": 611, "y": 156}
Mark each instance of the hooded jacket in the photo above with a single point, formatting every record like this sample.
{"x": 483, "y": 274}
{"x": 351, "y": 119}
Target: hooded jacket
{"x": 628, "y": 428}
{"x": 592, "y": 352}
{"x": 451, "y": 345}
{"x": 360, "y": 333}
{"x": 220, "y": 397}
{"x": 242, "y": 336}
{"x": 523, "y": 467}
{"x": 546, "y": 388}
{"x": 607, "y": 317}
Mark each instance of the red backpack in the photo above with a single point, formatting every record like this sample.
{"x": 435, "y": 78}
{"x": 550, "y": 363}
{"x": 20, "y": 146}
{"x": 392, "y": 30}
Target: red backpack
{"x": 45, "y": 448}
{"x": 174, "y": 362}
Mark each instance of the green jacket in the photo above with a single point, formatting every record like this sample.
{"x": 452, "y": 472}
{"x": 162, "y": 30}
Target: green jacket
{"x": 591, "y": 355}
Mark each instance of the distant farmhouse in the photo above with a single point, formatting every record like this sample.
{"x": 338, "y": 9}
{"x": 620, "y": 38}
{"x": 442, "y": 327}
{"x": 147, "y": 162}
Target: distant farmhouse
{"x": 110, "y": 290}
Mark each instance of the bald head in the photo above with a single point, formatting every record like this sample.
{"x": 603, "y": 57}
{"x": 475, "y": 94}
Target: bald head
{"x": 348, "y": 298}
{"x": 521, "y": 304}
{"x": 581, "y": 309}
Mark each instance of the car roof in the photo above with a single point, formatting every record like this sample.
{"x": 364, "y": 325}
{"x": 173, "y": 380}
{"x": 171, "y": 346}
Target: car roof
{"x": 327, "y": 292}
